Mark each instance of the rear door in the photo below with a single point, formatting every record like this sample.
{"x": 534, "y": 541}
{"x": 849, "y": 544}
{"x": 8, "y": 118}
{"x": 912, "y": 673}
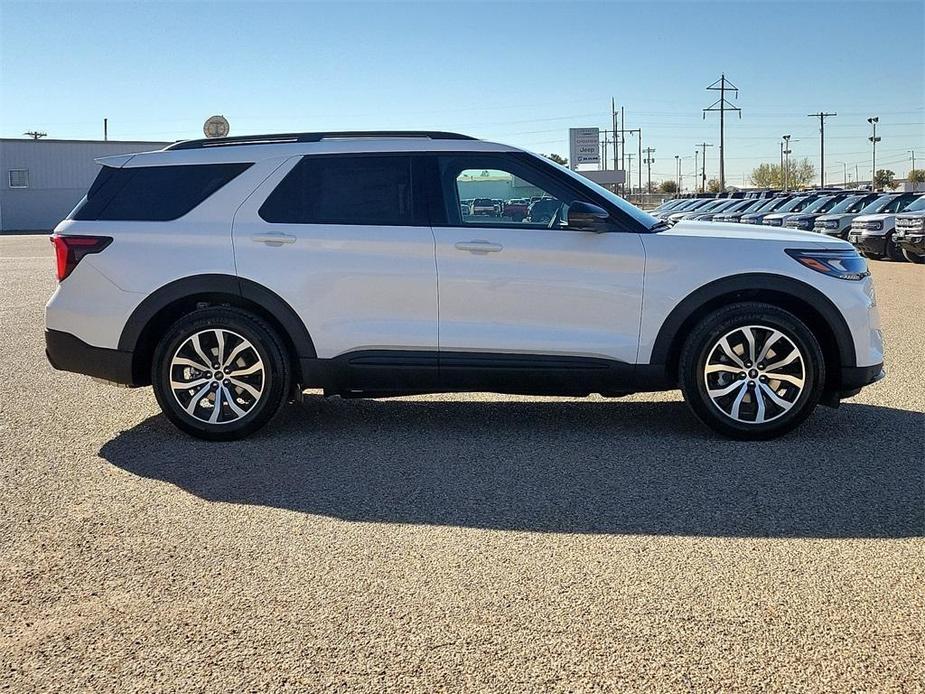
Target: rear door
{"x": 341, "y": 239}
{"x": 529, "y": 294}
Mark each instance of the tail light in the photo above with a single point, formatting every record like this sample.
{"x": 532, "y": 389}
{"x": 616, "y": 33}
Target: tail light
{"x": 70, "y": 250}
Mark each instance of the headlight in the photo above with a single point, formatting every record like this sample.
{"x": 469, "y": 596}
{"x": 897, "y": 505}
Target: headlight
{"x": 874, "y": 226}
{"x": 830, "y": 224}
{"x": 774, "y": 222}
{"x": 843, "y": 265}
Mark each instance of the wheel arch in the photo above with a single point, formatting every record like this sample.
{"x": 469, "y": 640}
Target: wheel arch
{"x": 164, "y": 306}
{"x": 803, "y": 300}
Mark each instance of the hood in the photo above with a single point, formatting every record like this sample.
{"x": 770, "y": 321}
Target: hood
{"x": 911, "y": 215}
{"x": 838, "y": 215}
{"x": 731, "y": 230}
{"x": 874, "y": 217}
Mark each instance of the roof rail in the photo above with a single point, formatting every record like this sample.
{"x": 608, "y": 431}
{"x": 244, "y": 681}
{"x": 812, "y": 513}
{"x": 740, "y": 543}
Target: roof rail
{"x": 283, "y": 138}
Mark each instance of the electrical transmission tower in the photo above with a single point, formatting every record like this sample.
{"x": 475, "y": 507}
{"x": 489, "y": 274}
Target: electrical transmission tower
{"x": 722, "y": 85}
{"x": 821, "y": 116}
{"x": 35, "y": 134}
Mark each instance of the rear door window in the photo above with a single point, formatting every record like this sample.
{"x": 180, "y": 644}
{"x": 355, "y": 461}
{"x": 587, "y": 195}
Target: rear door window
{"x": 344, "y": 189}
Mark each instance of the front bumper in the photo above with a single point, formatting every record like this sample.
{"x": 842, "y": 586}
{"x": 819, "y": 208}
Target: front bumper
{"x": 66, "y": 352}
{"x": 853, "y": 378}
{"x": 914, "y": 242}
{"x": 868, "y": 243}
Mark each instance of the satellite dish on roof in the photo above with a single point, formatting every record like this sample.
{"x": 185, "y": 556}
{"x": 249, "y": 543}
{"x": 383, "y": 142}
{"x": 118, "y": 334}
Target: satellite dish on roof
{"x": 216, "y": 126}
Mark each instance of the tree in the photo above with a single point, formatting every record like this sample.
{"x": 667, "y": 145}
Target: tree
{"x": 917, "y": 175}
{"x": 668, "y": 187}
{"x": 713, "y": 186}
{"x": 799, "y": 174}
{"x": 884, "y": 178}
{"x": 557, "y": 158}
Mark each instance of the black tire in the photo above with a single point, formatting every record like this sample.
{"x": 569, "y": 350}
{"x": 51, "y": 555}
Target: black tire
{"x": 914, "y": 257}
{"x": 274, "y": 374}
{"x": 892, "y": 251}
{"x": 704, "y": 339}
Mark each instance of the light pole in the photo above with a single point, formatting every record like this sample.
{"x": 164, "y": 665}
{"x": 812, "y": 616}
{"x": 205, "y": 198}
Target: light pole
{"x": 677, "y": 166}
{"x": 912, "y": 152}
{"x": 786, "y": 172}
{"x": 873, "y": 120}
{"x": 845, "y": 175}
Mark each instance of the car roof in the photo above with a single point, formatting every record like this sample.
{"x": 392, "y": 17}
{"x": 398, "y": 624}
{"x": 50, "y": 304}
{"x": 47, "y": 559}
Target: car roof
{"x": 260, "y": 147}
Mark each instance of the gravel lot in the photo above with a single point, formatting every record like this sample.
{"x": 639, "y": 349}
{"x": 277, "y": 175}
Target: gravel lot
{"x": 455, "y": 542}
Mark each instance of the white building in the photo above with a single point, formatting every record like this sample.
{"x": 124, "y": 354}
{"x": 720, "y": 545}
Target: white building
{"x": 43, "y": 179}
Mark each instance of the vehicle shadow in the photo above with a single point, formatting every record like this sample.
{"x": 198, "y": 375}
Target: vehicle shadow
{"x": 556, "y": 466}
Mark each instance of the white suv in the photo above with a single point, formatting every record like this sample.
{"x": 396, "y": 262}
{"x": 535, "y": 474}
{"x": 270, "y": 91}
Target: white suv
{"x": 231, "y": 274}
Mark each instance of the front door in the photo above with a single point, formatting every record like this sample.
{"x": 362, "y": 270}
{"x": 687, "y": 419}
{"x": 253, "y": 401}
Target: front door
{"x": 519, "y": 291}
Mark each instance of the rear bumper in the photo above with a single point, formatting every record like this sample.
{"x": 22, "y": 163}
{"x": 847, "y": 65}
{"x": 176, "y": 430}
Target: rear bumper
{"x": 66, "y": 352}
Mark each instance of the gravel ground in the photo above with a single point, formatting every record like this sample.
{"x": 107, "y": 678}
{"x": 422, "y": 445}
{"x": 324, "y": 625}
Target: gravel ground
{"x": 464, "y": 542}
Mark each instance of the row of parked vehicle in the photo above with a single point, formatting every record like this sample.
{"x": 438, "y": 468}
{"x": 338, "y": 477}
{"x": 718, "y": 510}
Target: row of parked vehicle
{"x": 535, "y": 209}
{"x": 880, "y": 225}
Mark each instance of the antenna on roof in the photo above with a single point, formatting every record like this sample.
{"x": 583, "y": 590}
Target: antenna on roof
{"x": 35, "y": 134}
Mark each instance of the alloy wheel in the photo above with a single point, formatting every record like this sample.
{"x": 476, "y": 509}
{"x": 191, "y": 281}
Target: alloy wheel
{"x": 217, "y": 376}
{"x": 754, "y": 374}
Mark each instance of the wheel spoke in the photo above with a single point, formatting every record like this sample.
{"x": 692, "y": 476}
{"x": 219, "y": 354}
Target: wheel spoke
{"x": 229, "y": 398}
{"x": 772, "y": 338}
{"x": 759, "y": 403}
{"x": 750, "y": 339}
{"x": 714, "y": 368}
{"x": 180, "y": 385}
{"x": 789, "y": 359}
{"x": 198, "y": 347}
{"x": 235, "y": 352}
{"x": 720, "y": 392}
{"x": 183, "y": 361}
{"x": 217, "y": 407}
{"x": 191, "y": 407}
{"x": 737, "y": 403}
{"x": 724, "y": 345}
{"x": 775, "y": 398}
{"x": 252, "y": 369}
{"x": 220, "y": 338}
{"x": 246, "y": 387}
{"x": 795, "y": 380}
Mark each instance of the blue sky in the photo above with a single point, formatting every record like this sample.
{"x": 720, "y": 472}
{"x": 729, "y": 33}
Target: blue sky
{"x": 521, "y": 73}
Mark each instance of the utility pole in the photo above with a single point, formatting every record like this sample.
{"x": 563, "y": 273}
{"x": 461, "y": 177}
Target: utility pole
{"x": 703, "y": 163}
{"x": 623, "y": 143}
{"x": 105, "y": 129}
{"x": 613, "y": 113}
{"x": 912, "y": 152}
{"x": 648, "y": 162}
{"x": 629, "y": 170}
{"x": 785, "y": 174}
{"x": 35, "y": 134}
{"x": 677, "y": 166}
{"x": 873, "y": 120}
{"x": 722, "y": 85}
{"x": 844, "y": 175}
{"x": 821, "y": 116}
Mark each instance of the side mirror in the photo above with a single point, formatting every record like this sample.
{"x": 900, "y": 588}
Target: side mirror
{"x": 583, "y": 216}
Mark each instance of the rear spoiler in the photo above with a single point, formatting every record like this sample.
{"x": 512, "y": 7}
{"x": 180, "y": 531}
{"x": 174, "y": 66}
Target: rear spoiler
{"x": 116, "y": 161}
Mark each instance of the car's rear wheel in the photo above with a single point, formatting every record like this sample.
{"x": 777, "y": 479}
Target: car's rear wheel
{"x": 752, "y": 371}
{"x": 220, "y": 373}
{"x": 914, "y": 257}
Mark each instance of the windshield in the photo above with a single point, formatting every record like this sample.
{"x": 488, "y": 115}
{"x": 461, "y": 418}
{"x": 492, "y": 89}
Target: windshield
{"x": 644, "y": 218}
{"x": 878, "y": 204}
{"x": 823, "y": 204}
{"x": 755, "y": 205}
{"x": 917, "y": 206}
{"x": 856, "y": 201}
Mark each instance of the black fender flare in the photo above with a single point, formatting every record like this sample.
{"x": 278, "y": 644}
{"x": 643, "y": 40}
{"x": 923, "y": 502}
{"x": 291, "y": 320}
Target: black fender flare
{"x": 218, "y": 284}
{"x": 747, "y": 283}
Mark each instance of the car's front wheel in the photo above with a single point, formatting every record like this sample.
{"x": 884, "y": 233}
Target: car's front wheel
{"x": 914, "y": 257}
{"x": 220, "y": 373}
{"x": 752, "y": 371}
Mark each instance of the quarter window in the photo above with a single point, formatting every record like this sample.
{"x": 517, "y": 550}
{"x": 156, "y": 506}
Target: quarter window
{"x": 152, "y": 193}
{"x": 340, "y": 189}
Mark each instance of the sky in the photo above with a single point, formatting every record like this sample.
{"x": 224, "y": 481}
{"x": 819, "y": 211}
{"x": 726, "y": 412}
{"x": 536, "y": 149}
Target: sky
{"x": 520, "y": 73}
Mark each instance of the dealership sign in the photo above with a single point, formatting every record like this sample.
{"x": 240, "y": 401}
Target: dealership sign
{"x": 584, "y": 146}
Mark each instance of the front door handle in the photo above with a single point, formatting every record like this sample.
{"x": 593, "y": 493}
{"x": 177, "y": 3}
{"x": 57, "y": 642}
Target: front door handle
{"x": 273, "y": 239}
{"x": 479, "y": 246}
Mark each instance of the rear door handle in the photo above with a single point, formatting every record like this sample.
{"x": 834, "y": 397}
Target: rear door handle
{"x": 479, "y": 246}
{"x": 273, "y": 239}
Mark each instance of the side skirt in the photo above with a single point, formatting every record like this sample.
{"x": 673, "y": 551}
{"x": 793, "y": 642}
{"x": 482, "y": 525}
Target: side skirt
{"x": 388, "y": 373}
